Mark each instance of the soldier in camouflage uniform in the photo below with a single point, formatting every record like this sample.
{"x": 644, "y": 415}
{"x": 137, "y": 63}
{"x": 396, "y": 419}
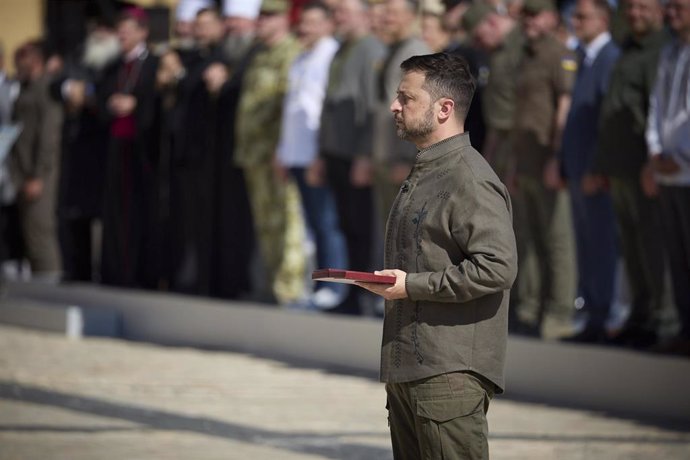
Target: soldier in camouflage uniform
{"x": 275, "y": 202}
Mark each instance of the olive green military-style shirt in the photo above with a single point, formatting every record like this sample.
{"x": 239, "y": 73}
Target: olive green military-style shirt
{"x": 547, "y": 72}
{"x": 498, "y": 98}
{"x": 260, "y": 107}
{"x": 622, "y": 149}
{"x": 451, "y": 230}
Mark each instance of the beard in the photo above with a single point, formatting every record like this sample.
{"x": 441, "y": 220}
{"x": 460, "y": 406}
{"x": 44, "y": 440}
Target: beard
{"x": 416, "y": 129}
{"x": 98, "y": 52}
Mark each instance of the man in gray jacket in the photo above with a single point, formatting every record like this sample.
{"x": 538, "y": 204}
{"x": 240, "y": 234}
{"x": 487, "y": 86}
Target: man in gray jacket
{"x": 34, "y": 163}
{"x": 450, "y": 245}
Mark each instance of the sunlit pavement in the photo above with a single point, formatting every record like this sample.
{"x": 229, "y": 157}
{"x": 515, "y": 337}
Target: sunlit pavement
{"x": 108, "y": 399}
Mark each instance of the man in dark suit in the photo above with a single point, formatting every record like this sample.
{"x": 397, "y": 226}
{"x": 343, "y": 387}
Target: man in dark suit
{"x": 593, "y": 217}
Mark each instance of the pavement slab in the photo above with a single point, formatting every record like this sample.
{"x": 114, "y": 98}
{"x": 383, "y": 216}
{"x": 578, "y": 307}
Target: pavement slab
{"x": 109, "y": 399}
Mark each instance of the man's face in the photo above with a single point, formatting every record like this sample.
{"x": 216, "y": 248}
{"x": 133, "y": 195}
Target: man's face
{"x": 208, "y": 29}
{"x": 644, "y": 16}
{"x": 269, "y": 24}
{"x": 588, "y": 21}
{"x": 433, "y": 32}
{"x": 539, "y": 24}
{"x": 314, "y": 24}
{"x": 486, "y": 34}
{"x": 397, "y": 18}
{"x": 346, "y": 16}
{"x": 130, "y": 34}
{"x": 413, "y": 109}
{"x": 678, "y": 12}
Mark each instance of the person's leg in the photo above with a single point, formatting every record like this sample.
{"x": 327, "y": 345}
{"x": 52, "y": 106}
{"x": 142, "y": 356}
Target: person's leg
{"x": 527, "y": 288}
{"x": 322, "y": 218}
{"x": 600, "y": 257}
{"x": 450, "y": 417}
{"x": 39, "y": 227}
{"x": 638, "y": 224}
{"x": 355, "y": 214}
{"x": 676, "y": 211}
{"x": 560, "y": 261}
{"x": 401, "y": 420}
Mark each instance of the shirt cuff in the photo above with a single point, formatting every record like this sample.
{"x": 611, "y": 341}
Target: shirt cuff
{"x": 417, "y": 286}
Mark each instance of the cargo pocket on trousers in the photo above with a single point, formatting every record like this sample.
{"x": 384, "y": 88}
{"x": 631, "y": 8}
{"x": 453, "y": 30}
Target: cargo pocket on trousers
{"x": 453, "y": 428}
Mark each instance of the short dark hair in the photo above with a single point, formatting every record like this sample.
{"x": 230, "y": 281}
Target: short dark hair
{"x": 445, "y": 75}
{"x": 318, "y": 5}
{"x": 603, "y": 6}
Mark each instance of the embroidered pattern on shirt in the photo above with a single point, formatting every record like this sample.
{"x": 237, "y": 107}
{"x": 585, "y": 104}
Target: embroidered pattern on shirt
{"x": 418, "y": 220}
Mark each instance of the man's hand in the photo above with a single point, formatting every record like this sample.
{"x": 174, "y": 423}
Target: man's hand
{"x": 316, "y": 174}
{"x": 215, "y": 76}
{"x": 361, "y": 174}
{"x": 552, "y": 175}
{"x": 647, "y": 181}
{"x": 592, "y": 184}
{"x": 32, "y": 189}
{"x": 280, "y": 172}
{"x": 664, "y": 164}
{"x": 388, "y": 292}
{"x": 122, "y": 105}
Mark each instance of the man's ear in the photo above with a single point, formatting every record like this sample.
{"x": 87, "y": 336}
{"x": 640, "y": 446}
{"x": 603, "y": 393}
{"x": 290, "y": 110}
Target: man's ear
{"x": 447, "y": 108}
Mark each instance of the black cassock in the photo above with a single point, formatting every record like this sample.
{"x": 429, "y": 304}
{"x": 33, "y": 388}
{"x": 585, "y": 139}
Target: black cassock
{"x": 131, "y": 246}
{"x": 212, "y": 236}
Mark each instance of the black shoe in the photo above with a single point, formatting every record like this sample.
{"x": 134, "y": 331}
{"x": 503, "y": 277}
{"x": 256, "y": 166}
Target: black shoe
{"x": 587, "y": 335}
{"x": 524, "y": 329}
{"x": 634, "y": 338}
{"x": 679, "y": 346}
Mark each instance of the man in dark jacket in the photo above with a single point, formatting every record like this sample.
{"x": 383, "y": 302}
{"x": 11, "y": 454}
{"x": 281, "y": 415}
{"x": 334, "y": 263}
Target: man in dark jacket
{"x": 450, "y": 245}
{"x": 127, "y": 100}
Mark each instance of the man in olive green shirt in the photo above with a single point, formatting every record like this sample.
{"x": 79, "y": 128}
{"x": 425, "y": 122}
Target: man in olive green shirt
{"x": 501, "y": 37}
{"x": 547, "y": 284}
{"x": 450, "y": 245}
{"x": 620, "y": 158}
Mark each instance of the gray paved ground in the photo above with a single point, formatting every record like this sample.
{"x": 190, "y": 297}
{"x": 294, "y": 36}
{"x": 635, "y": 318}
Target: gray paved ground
{"x": 108, "y": 399}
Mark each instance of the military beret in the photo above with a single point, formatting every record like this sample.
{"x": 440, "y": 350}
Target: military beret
{"x": 475, "y": 14}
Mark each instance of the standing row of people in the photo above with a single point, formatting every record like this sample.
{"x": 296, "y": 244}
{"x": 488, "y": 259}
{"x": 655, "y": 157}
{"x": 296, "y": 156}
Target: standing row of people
{"x": 228, "y": 149}
{"x": 578, "y": 147}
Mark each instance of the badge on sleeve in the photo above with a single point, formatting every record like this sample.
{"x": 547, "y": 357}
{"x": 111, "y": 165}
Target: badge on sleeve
{"x": 569, "y": 64}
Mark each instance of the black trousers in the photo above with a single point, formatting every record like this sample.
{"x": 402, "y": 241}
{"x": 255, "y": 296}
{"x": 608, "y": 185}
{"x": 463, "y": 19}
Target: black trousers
{"x": 675, "y": 208}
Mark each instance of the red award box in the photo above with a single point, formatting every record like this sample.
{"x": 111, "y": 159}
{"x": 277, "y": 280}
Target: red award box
{"x": 350, "y": 277}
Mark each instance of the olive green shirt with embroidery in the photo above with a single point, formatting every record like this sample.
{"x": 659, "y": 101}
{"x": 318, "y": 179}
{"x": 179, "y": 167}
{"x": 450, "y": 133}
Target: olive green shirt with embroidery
{"x": 260, "y": 107}
{"x": 450, "y": 229}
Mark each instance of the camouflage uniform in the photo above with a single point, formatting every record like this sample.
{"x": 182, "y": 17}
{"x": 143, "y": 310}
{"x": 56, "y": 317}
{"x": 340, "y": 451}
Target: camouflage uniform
{"x": 275, "y": 204}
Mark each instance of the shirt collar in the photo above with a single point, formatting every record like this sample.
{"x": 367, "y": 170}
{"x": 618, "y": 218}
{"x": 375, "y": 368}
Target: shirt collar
{"x": 443, "y": 147}
{"x": 593, "y": 49}
{"x": 136, "y": 52}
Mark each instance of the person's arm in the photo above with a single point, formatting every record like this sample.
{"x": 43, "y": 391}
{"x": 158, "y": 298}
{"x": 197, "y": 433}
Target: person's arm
{"x": 49, "y": 135}
{"x": 482, "y": 228}
{"x": 552, "y": 170}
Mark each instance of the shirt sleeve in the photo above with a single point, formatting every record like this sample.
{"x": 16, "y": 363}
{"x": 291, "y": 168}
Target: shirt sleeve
{"x": 564, "y": 72}
{"x": 482, "y": 228}
{"x": 653, "y": 122}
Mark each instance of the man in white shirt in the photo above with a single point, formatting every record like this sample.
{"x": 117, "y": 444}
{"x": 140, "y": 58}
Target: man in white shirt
{"x": 668, "y": 140}
{"x": 298, "y": 145}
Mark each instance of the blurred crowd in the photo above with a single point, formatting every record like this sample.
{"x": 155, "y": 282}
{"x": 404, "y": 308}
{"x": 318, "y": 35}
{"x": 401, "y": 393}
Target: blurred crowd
{"x": 257, "y": 144}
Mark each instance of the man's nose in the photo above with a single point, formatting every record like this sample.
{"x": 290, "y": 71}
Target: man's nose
{"x": 395, "y": 106}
